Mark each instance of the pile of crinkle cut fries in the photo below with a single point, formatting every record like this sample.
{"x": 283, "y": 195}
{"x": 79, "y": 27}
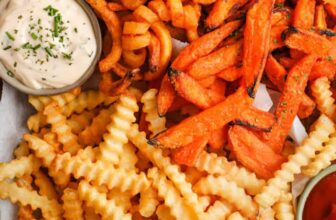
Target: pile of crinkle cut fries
{"x": 177, "y": 137}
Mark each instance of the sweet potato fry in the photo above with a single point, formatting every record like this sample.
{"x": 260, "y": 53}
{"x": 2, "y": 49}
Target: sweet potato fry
{"x": 189, "y": 89}
{"x": 166, "y": 96}
{"x": 281, "y": 16}
{"x": 331, "y": 10}
{"x": 289, "y": 102}
{"x": 303, "y": 14}
{"x": 204, "y": 45}
{"x": 175, "y": 8}
{"x": 216, "y": 61}
{"x": 320, "y": 17}
{"x": 276, "y": 41}
{"x": 253, "y": 153}
{"x": 113, "y": 6}
{"x": 222, "y": 10}
{"x": 132, "y": 4}
{"x": 160, "y": 8}
{"x": 203, "y": 123}
{"x": 218, "y": 138}
{"x": 255, "y": 119}
{"x": 277, "y": 75}
{"x": 256, "y": 44}
{"x": 178, "y": 104}
{"x": 230, "y": 74}
{"x": 207, "y": 82}
{"x": 188, "y": 154}
{"x": 306, "y": 41}
{"x": 323, "y": 68}
{"x": 287, "y": 62}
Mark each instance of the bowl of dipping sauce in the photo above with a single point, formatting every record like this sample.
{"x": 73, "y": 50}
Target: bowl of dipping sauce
{"x": 48, "y": 46}
{"x": 318, "y": 201}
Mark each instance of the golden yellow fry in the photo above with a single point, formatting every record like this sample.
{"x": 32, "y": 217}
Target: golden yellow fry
{"x": 172, "y": 198}
{"x": 148, "y": 202}
{"x": 193, "y": 175}
{"x": 46, "y": 188}
{"x": 40, "y": 102}
{"x": 128, "y": 158}
{"x": 107, "y": 208}
{"x": 121, "y": 120}
{"x": 164, "y": 163}
{"x": 37, "y": 121}
{"x": 266, "y": 214}
{"x": 229, "y": 191}
{"x": 219, "y": 210}
{"x": 156, "y": 124}
{"x": 163, "y": 213}
{"x": 22, "y": 150}
{"x": 89, "y": 213}
{"x": 78, "y": 122}
{"x": 60, "y": 127}
{"x": 101, "y": 175}
{"x": 284, "y": 208}
{"x": 271, "y": 192}
{"x": 72, "y": 205}
{"x": 51, "y": 138}
{"x": 18, "y": 167}
{"x": 218, "y": 165}
{"x": 50, "y": 208}
{"x": 323, "y": 97}
{"x": 93, "y": 133}
{"x": 88, "y": 153}
{"x": 122, "y": 199}
{"x": 236, "y": 216}
{"x": 25, "y": 213}
{"x": 87, "y": 100}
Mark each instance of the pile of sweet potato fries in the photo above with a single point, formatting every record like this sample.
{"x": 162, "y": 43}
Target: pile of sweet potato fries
{"x": 234, "y": 45}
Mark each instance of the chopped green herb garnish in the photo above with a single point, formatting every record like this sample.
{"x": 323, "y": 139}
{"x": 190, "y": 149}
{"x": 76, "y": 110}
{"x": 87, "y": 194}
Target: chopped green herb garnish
{"x": 275, "y": 41}
{"x": 27, "y": 46}
{"x": 57, "y": 25}
{"x": 20, "y": 17}
{"x": 48, "y": 51}
{"x": 329, "y": 58}
{"x": 279, "y": 5}
{"x": 10, "y": 36}
{"x": 7, "y": 48}
{"x": 10, "y": 73}
{"x": 34, "y": 36}
{"x": 76, "y": 30}
{"x": 15, "y": 64}
{"x": 233, "y": 34}
{"x": 67, "y": 56}
{"x": 51, "y": 11}
{"x": 284, "y": 103}
{"x": 36, "y": 47}
{"x": 16, "y": 31}
{"x": 44, "y": 79}
{"x": 39, "y": 21}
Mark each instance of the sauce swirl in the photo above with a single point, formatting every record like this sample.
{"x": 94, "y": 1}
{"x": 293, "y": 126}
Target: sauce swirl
{"x": 46, "y": 43}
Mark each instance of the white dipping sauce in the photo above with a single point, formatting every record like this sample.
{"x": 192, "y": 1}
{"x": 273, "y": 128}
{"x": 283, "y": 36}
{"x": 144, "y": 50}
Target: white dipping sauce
{"x": 46, "y": 43}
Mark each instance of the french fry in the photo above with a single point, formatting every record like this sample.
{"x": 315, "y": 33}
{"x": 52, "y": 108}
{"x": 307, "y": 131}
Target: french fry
{"x": 175, "y": 8}
{"x": 216, "y": 61}
{"x": 134, "y": 59}
{"x": 160, "y": 8}
{"x": 46, "y": 188}
{"x": 323, "y": 68}
{"x": 289, "y": 102}
{"x": 320, "y": 17}
{"x": 281, "y": 16}
{"x": 218, "y": 138}
{"x": 114, "y": 6}
{"x": 256, "y": 44}
{"x": 166, "y": 96}
{"x": 230, "y": 74}
{"x": 306, "y": 41}
{"x": 78, "y": 122}
{"x": 222, "y": 10}
{"x": 154, "y": 49}
{"x": 188, "y": 154}
{"x": 134, "y": 28}
{"x": 113, "y": 24}
{"x": 276, "y": 41}
{"x": 203, "y": 123}
{"x": 207, "y": 82}
{"x": 331, "y": 10}
{"x": 219, "y": 210}
{"x": 72, "y": 205}
{"x": 148, "y": 202}
{"x": 303, "y": 14}
{"x": 135, "y": 42}
{"x": 253, "y": 153}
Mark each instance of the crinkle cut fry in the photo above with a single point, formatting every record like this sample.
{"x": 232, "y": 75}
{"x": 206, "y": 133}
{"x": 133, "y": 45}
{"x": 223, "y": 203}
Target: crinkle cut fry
{"x": 46, "y": 187}
{"x": 219, "y": 210}
{"x": 164, "y": 163}
{"x": 271, "y": 192}
{"x": 202, "y": 124}
{"x": 72, "y": 205}
{"x": 228, "y": 191}
{"x": 284, "y": 208}
{"x": 171, "y": 196}
{"x": 107, "y": 208}
{"x": 256, "y": 44}
{"x": 18, "y": 167}
{"x": 97, "y": 172}
{"x": 121, "y": 120}
{"x": 217, "y": 165}
{"x": 50, "y": 208}
{"x": 148, "y": 202}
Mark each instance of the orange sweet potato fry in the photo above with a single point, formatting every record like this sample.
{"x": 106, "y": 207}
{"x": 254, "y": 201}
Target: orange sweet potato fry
{"x": 253, "y": 153}
{"x": 303, "y": 14}
{"x": 204, "y": 122}
{"x": 307, "y": 107}
{"x": 289, "y": 102}
{"x": 216, "y": 61}
{"x": 320, "y": 17}
{"x": 166, "y": 96}
{"x": 281, "y": 16}
{"x": 188, "y": 154}
{"x": 218, "y": 138}
{"x": 287, "y": 62}
{"x": 207, "y": 82}
{"x": 306, "y": 41}
{"x": 178, "y": 104}
{"x": 222, "y": 10}
{"x": 323, "y": 68}
{"x": 189, "y": 89}
{"x": 276, "y": 41}
{"x": 231, "y": 74}
{"x": 204, "y": 45}
{"x": 255, "y": 119}
{"x": 331, "y": 10}
{"x": 256, "y": 44}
